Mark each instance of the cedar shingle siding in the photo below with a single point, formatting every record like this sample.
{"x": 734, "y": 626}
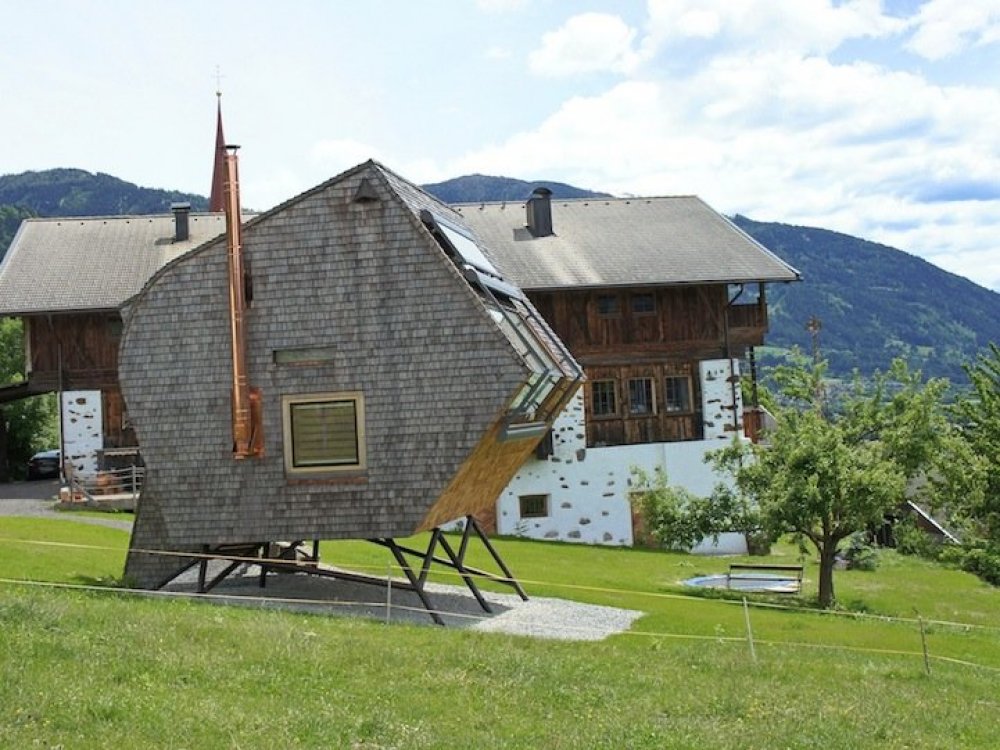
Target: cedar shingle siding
{"x": 365, "y": 280}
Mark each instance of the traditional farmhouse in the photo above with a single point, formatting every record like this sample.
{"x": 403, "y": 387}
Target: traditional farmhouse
{"x": 658, "y": 299}
{"x": 66, "y": 279}
{"x": 348, "y": 365}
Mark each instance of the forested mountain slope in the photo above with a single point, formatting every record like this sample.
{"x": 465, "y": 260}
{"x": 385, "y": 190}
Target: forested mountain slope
{"x": 873, "y": 302}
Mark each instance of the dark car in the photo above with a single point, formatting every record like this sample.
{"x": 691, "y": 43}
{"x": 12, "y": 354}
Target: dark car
{"x": 44, "y": 465}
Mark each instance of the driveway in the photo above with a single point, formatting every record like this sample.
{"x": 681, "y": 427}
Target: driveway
{"x": 38, "y": 499}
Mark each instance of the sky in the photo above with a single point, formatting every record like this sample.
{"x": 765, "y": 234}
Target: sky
{"x": 877, "y": 119}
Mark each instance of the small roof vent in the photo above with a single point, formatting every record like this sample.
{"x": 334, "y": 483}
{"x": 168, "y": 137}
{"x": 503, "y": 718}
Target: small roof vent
{"x": 365, "y": 192}
{"x": 539, "y": 209}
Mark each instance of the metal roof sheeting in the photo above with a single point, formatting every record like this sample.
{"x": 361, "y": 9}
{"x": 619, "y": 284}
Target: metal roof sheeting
{"x": 623, "y": 242}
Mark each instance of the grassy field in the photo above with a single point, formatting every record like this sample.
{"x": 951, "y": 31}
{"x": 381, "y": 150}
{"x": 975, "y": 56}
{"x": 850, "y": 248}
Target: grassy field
{"x": 93, "y": 669}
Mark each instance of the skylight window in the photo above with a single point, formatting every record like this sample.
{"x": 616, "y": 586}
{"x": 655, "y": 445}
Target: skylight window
{"x": 465, "y": 247}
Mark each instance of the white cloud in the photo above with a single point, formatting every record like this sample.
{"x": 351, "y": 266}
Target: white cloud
{"x": 500, "y": 6}
{"x": 590, "y": 42}
{"x": 803, "y": 26}
{"x": 777, "y": 136}
{"x": 947, "y": 27}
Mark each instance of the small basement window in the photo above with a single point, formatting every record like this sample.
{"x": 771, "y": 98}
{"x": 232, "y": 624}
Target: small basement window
{"x": 324, "y": 432}
{"x": 533, "y": 506}
{"x": 640, "y": 396}
{"x": 602, "y": 398}
{"x": 678, "y": 394}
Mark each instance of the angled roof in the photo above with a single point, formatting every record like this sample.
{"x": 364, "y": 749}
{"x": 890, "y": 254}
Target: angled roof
{"x": 623, "y": 242}
{"x": 68, "y": 264}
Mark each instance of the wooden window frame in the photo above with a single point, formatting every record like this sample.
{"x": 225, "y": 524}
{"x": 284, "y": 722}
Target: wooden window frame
{"x": 614, "y": 398}
{"x": 633, "y": 298}
{"x": 333, "y": 468}
{"x": 667, "y": 403}
{"x": 650, "y": 391}
{"x": 525, "y": 505}
{"x": 616, "y": 312}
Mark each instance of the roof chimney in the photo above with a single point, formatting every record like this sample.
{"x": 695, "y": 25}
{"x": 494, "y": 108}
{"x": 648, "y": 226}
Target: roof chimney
{"x": 181, "y": 213}
{"x": 539, "y": 207}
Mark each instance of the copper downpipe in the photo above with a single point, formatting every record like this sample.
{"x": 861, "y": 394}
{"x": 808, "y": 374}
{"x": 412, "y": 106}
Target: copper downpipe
{"x": 247, "y": 434}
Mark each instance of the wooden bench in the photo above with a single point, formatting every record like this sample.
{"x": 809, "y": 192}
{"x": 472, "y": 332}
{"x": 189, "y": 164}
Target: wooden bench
{"x": 765, "y": 572}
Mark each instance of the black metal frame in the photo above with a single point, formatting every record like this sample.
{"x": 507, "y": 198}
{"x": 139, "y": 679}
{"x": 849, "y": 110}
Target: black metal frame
{"x": 293, "y": 557}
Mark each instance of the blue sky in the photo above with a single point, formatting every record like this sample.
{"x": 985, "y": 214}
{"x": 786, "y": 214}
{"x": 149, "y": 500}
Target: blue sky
{"x": 879, "y": 119}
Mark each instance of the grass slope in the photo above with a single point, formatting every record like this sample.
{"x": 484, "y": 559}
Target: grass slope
{"x": 90, "y": 670}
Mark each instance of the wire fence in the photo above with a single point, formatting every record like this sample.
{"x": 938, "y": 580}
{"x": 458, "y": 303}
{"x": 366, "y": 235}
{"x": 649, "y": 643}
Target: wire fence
{"x": 388, "y": 606}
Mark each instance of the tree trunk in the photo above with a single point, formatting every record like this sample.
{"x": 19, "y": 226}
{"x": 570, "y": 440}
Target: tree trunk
{"x": 4, "y": 465}
{"x": 827, "y": 559}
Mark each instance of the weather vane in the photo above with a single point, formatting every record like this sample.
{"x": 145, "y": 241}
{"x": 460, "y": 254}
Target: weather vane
{"x": 218, "y": 81}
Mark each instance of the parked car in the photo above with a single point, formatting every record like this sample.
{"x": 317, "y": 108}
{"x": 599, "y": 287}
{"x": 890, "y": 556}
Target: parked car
{"x": 44, "y": 465}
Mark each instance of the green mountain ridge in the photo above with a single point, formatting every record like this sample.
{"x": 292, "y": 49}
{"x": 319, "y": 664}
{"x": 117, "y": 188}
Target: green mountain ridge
{"x": 874, "y": 302}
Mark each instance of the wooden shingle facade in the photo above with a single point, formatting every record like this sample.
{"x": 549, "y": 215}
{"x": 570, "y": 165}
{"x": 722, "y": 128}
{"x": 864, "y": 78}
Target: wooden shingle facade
{"x": 356, "y": 304}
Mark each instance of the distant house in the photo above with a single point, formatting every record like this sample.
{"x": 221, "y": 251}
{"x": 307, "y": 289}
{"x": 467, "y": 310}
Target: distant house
{"x": 658, "y": 299}
{"x": 349, "y": 365}
{"x": 66, "y": 279}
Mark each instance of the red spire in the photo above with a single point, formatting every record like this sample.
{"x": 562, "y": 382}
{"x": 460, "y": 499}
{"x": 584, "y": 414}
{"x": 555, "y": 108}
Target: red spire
{"x": 217, "y": 201}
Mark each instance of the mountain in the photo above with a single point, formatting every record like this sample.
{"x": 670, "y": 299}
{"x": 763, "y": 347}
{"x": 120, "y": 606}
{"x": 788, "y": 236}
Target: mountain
{"x": 873, "y": 302}
{"x": 478, "y": 187}
{"x": 74, "y": 192}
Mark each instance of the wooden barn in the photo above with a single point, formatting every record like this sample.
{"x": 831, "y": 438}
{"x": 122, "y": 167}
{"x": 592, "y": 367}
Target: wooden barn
{"x": 348, "y": 365}
{"x": 66, "y": 279}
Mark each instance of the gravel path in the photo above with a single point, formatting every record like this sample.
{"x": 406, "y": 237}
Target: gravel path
{"x": 538, "y": 617}
{"x": 37, "y": 499}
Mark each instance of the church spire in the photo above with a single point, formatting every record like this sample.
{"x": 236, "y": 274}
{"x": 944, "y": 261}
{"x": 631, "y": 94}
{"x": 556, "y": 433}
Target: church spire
{"x": 217, "y": 200}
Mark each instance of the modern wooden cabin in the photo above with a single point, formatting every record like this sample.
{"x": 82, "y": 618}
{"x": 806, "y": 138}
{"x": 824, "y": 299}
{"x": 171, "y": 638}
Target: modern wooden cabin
{"x": 394, "y": 380}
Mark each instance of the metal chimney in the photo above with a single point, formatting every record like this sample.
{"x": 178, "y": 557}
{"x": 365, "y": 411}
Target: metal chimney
{"x": 539, "y": 208}
{"x": 181, "y": 213}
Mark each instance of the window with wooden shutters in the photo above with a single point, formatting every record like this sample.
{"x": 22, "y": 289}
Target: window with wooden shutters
{"x": 324, "y": 433}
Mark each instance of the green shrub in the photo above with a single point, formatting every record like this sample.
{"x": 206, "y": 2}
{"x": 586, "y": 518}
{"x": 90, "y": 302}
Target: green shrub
{"x": 983, "y": 562}
{"x": 860, "y": 554}
{"x": 912, "y": 540}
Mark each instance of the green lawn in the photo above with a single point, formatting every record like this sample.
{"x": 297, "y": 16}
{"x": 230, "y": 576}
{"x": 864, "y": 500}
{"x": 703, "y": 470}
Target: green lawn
{"x": 98, "y": 669}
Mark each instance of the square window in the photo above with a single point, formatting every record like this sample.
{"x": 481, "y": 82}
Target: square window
{"x": 643, "y": 304}
{"x": 640, "y": 396}
{"x": 678, "y": 394}
{"x": 602, "y": 398}
{"x": 608, "y": 305}
{"x": 534, "y": 506}
{"x": 324, "y": 432}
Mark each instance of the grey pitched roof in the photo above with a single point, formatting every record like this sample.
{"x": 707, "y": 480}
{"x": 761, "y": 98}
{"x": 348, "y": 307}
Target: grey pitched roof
{"x": 70, "y": 264}
{"x": 623, "y": 242}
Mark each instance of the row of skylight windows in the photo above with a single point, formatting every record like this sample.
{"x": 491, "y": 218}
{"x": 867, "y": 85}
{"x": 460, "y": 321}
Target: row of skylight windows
{"x": 640, "y": 397}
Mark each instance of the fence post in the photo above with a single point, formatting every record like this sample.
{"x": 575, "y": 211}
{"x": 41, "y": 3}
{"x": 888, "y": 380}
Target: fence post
{"x": 923, "y": 642}
{"x": 746, "y": 615}
{"x": 388, "y": 593}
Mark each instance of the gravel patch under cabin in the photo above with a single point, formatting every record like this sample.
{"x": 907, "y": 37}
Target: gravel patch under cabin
{"x": 539, "y": 617}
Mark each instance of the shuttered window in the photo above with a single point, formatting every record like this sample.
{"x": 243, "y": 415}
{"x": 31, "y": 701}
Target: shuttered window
{"x": 324, "y": 433}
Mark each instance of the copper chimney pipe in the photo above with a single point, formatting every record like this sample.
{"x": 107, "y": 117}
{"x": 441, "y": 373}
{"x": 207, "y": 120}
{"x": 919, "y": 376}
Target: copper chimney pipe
{"x": 246, "y": 439}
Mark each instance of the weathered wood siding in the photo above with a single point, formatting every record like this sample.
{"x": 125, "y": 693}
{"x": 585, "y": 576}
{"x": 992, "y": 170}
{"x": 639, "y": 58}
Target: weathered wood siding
{"x": 365, "y": 282}
{"x": 81, "y": 349}
{"x": 649, "y": 333}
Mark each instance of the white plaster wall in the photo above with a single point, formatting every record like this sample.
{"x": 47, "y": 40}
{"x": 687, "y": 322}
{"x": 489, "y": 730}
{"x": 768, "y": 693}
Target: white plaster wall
{"x": 82, "y": 430}
{"x": 588, "y": 488}
{"x": 721, "y": 399}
